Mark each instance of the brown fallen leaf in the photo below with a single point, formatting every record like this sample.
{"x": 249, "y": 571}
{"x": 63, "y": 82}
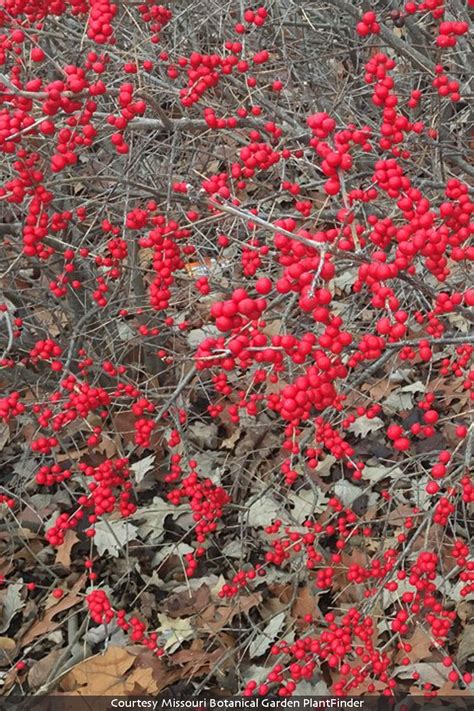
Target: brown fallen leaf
{"x": 162, "y": 674}
{"x": 465, "y": 611}
{"x": 63, "y": 554}
{"x": 283, "y": 592}
{"x": 187, "y": 602}
{"x": 197, "y": 661}
{"x": 229, "y": 442}
{"x": 420, "y": 647}
{"x": 352, "y": 593}
{"x": 9, "y": 680}
{"x": 7, "y": 651}
{"x": 430, "y": 673}
{"x": 100, "y": 675}
{"x": 71, "y": 455}
{"x": 147, "y": 674}
{"x": 6, "y": 565}
{"x": 215, "y": 618}
{"x": 306, "y": 603}
{"x": 40, "y": 670}
{"x": 124, "y": 425}
{"x": 141, "y": 680}
{"x": 7, "y": 644}
{"x": 46, "y": 624}
{"x": 466, "y": 645}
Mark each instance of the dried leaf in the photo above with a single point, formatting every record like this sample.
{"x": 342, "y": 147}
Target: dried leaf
{"x": 125, "y": 331}
{"x": 204, "y": 435}
{"x": 124, "y": 425}
{"x": 215, "y": 618}
{"x": 377, "y": 473}
{"x": 262, "y": 641}
{"x": 324, "y": 467}
{"x": 466, "y": 645}
{"x": 141, "y": 680}
{"x": 345, "y": 280}
{"x": 234, "y": 549}
{"x": 153, "y": 517}
{"x": 313, "y": 688}
{"x": 173, "y": 632}
{"x": 187, "y": 602}
{"x": 197, "y": 335}
{"x": 7, "y": 644}
{"x": 163, "y": 676}
{"x": 306, "y": 603}
{"x": 435, "y": 673}
{"x": 113, "y": 536}
{"x": 306, "y": 503}
{"x": 346, "y": 492}
{"x": 403, "y": 398}
{"x": 363, "y": 425}
{"x": 390, "y": 597}
{"x": 229, "y": 442}
{"x": 262, "y": 511}
{"x": 63, "y": 553}
{"x": 11, "y": 603}
{"x": 421, "y": 643}
{"x": 165, "y": 552}
{"x": 45, "y": 625}
{"x": 258, "y": 673}
{"x": 459, "y": 322}
{"x": 7, "y": 651}
{"x": 141, "y": 468}
{"x": 195, "y": 660}
{"x": 100, "y": 675}
{"x": 41, "y": 669}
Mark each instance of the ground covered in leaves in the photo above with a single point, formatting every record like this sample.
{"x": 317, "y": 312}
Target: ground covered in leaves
{"x": 236, "y": 348}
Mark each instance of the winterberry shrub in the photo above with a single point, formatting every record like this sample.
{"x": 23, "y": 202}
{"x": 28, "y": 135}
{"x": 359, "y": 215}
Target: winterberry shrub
{"x": 236, "y": 337}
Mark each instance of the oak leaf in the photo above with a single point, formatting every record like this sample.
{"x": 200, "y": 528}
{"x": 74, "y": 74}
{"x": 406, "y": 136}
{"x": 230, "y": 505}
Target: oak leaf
{"x": 100, "y": 675}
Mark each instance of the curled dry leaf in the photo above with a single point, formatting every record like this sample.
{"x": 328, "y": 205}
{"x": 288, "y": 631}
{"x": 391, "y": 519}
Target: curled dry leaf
{"x": 262, "y": 511}
{"x": 162, "y": 675}
{"x": 196, "y": 660}
{"x": 11, "y": 602}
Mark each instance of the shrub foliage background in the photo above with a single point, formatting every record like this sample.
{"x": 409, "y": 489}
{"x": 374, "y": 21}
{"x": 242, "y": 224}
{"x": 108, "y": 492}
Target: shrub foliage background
{"x": 236, "y": 346}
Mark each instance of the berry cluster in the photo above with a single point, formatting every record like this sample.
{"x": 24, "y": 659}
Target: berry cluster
{"x": 332, "y": 249}
{"x": 368, "y": 25}
{"x": 109, "y": 491}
